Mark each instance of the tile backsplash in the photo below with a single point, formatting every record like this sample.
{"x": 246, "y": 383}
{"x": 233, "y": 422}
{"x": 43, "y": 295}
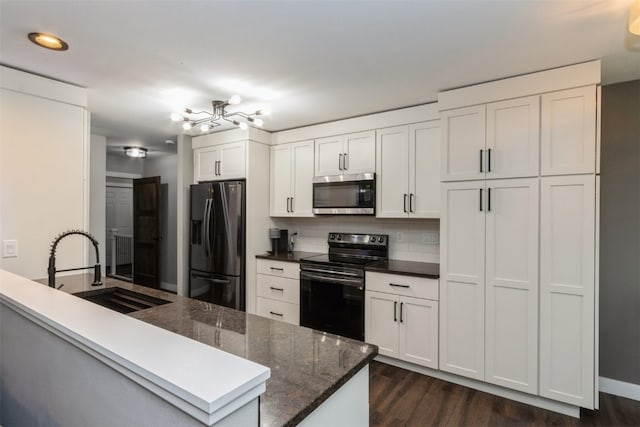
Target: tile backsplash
{"x": 410, "y": 240}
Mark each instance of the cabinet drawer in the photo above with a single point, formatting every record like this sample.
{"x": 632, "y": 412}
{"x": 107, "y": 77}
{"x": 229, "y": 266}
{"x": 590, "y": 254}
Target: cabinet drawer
{"x": 279, "y": 288}
{"x": 278, "y": 310}
{"x": 411, "y": 286}
{"x": 279, "y": 268}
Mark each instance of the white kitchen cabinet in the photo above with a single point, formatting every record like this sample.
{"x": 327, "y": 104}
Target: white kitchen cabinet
{"x": 489, "y": 281}
{"x": 291, "y": 179}
{"x": 278, "y": 290}
{"x": 408, "y": 165}
{"x": 568, "y": 131}
{"x": 511, "y": 276}
{"x": 495, "y": 140}
{"x": 567, "y": 323}
{"x": 219, "y": 162}
{"x": 463, "y": 143}
{"x": 402, "y": 326}
{"x": 345, "y": 154}
{"x": 462, "y": 279}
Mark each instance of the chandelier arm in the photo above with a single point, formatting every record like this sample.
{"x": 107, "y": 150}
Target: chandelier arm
{"x": 200, "y": 121}
{"x": 239, "y": 113}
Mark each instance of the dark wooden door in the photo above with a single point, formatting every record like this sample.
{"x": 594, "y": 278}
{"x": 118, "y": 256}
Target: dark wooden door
{"x": 146, "y": 231}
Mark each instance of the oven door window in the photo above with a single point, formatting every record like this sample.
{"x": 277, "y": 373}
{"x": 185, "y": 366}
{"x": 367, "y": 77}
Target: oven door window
{"x": 332, "y": 305}
{"x": 352, "y": 194}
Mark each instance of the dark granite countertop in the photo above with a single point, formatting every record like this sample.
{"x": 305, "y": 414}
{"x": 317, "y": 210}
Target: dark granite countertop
{"x": 294, "y": 256}
{"x": 407, "y": 268}
{"x": 307, "y": 366}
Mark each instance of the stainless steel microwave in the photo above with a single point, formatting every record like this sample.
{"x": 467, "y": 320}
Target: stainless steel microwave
{"x": 345, "y": 194}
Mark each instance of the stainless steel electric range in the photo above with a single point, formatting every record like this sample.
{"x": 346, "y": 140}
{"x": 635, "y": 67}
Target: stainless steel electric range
{"x": 332, "y": 286}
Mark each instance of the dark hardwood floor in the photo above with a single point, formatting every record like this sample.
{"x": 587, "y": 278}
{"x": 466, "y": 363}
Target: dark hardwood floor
{"x": 403, "y": 398}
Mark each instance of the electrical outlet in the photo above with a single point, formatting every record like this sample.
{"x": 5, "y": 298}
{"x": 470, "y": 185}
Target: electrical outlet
{"x": 399, "y": 236}
{"x": 430, "y": 238}
{"x": 9, "y": 248}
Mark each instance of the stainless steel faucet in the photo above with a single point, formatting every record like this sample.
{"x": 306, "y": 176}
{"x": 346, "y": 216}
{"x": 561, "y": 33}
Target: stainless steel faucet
{"x": 97, "y": 275}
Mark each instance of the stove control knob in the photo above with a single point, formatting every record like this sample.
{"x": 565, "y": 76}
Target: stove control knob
{"x": 339, "y": 237}
{"x": 381, "y": 239}
{"x": 332, "y": 237}
{"x": 373, "y": 239}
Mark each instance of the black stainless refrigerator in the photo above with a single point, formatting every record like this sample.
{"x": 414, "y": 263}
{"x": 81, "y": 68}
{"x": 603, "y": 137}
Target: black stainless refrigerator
{"x": 217, "y": 254}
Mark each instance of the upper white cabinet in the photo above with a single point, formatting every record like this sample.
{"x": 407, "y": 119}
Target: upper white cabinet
{"x": 219, "y": 162}
{"x": 463, "y": 143}
{"x": 408, "y": 165}
{"x": 496, "y": 140}
{"x": 291, "y": 179}
{"x": 345, "y": 154}
{"x": 567, "y": 269}
{"x": 568, "y": 137}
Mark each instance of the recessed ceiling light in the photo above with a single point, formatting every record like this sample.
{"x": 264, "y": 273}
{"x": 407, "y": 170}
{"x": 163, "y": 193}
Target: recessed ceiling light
{"x": 169, "y": 141}
{"x": 48, "y": 41}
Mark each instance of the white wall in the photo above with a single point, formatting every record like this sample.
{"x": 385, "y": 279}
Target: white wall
{"x": 122, "y": 164}
{"x": 413, "y": 243}
{"x": 166, "y": 167}
{"x": 43, "y": 171}
{"x": 97, "y": 187}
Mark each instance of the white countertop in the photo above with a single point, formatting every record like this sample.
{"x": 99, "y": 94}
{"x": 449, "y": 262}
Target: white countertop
{"x": 221, "y": 383}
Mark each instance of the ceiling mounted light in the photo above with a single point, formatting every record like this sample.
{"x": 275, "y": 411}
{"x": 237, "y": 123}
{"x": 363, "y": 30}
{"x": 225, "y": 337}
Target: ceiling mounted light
{"x": 634, "y": 18}
{"x": 208, "y": 120}
{"x": 48, "y": 41}
{"x": 136, "y": 152}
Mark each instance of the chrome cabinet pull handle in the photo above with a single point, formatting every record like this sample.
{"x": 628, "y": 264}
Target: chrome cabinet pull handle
{"x": 276, "y": 314}
{"x": 481, "y": 150}
{"x": 488, "y": 199}
{"x": 411, "y": 196}
{"x": 481, "y": 200}
{"x": 489, "y": 160}
{"x": 345, "y": 162}
{"x": 395, "y": 311}
{"x": 276, "y": 268}
{"x": 401, "y": 304}
{"x": 340, "y": 161}
{"x": 276, "y": 289}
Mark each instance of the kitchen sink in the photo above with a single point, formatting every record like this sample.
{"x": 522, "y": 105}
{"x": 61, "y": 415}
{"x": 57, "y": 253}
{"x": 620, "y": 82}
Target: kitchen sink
{"x": 121, "y": 300}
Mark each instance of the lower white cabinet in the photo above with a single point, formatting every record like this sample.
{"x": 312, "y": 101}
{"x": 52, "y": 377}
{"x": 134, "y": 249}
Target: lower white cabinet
{"x": 401, "y": 326}
{"x": 278, "y": 290}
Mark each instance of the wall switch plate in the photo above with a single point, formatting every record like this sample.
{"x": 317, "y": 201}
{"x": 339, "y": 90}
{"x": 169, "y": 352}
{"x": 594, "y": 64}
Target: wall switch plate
{"x": 9, "y": 248}
{"x": 399, "y": 236}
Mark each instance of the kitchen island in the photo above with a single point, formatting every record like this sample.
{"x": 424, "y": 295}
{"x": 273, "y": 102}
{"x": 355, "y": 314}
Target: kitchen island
{"x": 310, "y": 370}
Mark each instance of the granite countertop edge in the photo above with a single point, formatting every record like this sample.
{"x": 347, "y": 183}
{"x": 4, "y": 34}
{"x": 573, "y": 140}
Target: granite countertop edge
{"x": 294, "y": 256}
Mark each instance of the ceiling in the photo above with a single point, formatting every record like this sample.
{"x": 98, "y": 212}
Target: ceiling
{"x": 308, "y": 61}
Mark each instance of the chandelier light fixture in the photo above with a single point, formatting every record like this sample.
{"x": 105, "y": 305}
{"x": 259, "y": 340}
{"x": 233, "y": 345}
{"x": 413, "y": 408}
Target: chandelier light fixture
{"x": 208, "y": 120}
{"x": 135, "y": 152}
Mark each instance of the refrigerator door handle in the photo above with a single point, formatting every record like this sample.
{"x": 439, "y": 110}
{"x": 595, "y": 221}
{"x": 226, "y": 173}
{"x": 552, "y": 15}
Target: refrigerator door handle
{"x": 209, "y": 279}
{"x": 207, "y": 231}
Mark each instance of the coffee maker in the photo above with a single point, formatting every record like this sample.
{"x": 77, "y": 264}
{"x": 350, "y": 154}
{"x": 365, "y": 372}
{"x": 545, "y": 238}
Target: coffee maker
{"x": 279, "y": 241}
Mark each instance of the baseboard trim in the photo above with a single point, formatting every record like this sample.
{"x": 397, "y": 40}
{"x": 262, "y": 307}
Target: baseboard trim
{"x": 619, "y": 388}
{"x": 528, "y": 399}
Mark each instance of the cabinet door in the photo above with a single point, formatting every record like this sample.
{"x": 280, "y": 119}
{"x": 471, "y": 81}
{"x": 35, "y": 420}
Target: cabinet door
{"x": 567, "y": 324}
{"x": 360, "y": 150}
{"x": 204, "y": 160}
{"x": 512, "y": 284}
{"x": 392, "y": 187}
{"x": 463, "y": 138}
{"x": 418, "y": 331}
{"x": 301, "y": 178}
{"x": 232, "y": 161}
{"x": 381, "y": 322}
{"x": 424, "y": 169}
{"x": 328, "y": 157}
{"x": 513, "y": 135}
{"x": 568, "y": 131}
{"x": 280, "y": 179}
{"x": 462, "y": 279}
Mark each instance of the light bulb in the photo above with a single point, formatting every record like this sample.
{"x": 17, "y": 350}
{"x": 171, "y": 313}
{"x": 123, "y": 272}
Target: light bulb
{"x": 204, "y": 128}
{"x": 258, "y": 122}
{"x": 242, "y": 125}
{"x": 176, "y": 117}
{"x": 234, "y": 100}
{"x": 186, "y": 125}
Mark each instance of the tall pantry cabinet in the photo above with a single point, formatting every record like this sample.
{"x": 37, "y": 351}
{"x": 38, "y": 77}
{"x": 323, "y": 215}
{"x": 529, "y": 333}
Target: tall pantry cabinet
{"x": 517, "y": 286}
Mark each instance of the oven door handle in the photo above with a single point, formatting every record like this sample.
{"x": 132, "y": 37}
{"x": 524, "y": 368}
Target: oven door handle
{"x": 348, "y": 282}
{"x": 317, "y": 270}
